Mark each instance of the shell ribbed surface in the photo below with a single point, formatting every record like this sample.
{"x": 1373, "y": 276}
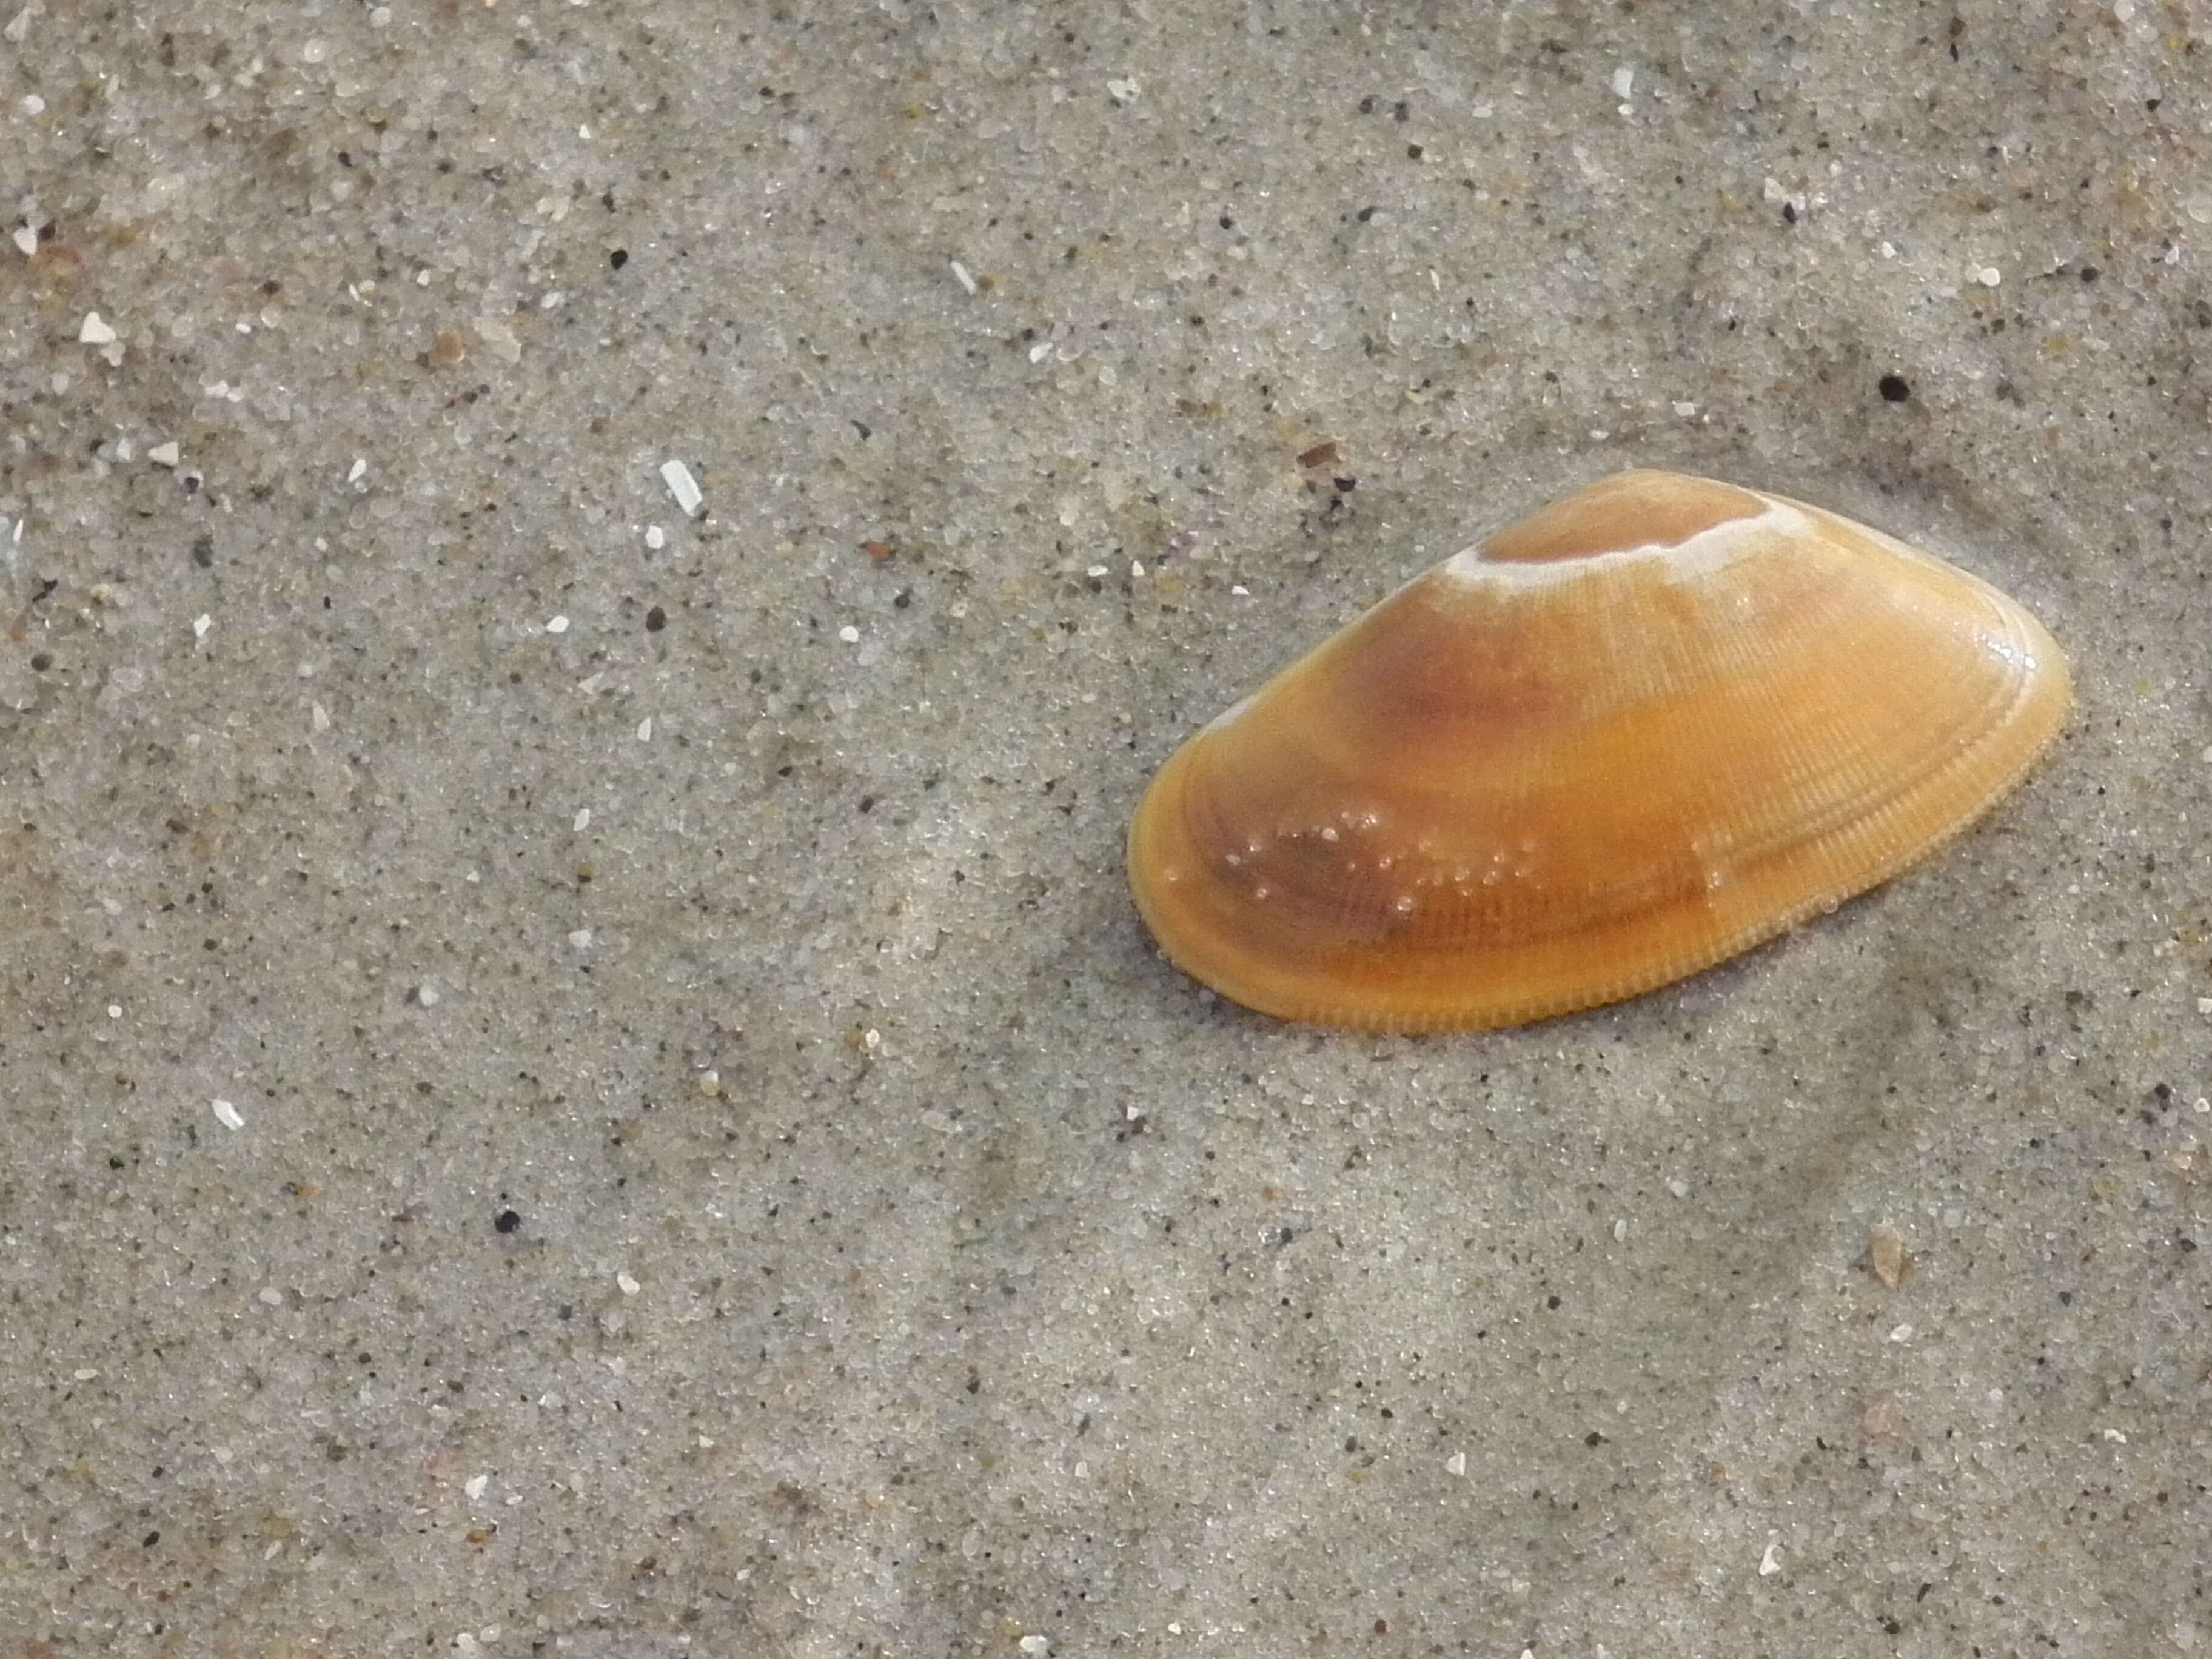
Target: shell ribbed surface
{"x": 1652, "y": 725}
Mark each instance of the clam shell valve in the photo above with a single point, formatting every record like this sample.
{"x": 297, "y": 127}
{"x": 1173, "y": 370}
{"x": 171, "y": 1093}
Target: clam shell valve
{"x": 1647, "y": 727}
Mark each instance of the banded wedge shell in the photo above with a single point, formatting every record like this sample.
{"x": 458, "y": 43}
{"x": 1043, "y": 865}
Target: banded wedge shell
{"x": 1647, "y": 727}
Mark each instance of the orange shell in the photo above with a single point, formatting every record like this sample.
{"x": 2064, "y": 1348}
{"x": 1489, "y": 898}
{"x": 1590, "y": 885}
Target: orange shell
{"x": 1650, "y": 726}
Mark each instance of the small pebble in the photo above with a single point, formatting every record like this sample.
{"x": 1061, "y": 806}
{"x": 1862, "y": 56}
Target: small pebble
{"x": 95, "y": 330}
{"x": 1882, "y": 1418}
{"x": 1886, "y": 1256}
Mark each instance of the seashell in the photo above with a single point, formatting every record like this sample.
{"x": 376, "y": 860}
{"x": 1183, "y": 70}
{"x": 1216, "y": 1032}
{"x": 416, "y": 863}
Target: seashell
{"x": 1648, "y": 727}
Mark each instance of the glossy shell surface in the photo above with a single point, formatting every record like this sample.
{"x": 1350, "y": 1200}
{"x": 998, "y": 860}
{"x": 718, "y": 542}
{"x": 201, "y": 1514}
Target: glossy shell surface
{"x": 1645, "y": 728}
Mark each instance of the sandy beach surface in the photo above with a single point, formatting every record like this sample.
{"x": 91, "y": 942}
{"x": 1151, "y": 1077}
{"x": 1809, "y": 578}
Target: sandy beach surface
{"x": 589, "y": 588}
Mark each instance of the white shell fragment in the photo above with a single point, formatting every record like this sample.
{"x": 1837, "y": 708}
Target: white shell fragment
{"x": 681, "y": 485}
